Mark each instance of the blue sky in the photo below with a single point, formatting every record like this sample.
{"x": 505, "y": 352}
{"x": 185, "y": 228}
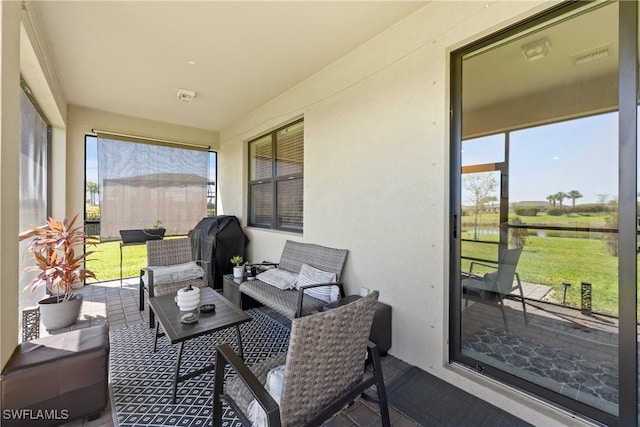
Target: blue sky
{"x": 578, "y": 154}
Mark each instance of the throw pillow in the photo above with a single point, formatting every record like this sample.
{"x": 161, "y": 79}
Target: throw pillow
{"x": 274, "y": 385}
{"x": 281, "y": 279}
{"x": 309, "y": 276}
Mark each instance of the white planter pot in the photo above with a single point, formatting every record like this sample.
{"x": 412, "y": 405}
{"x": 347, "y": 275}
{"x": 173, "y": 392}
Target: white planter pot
{"x": 237, "y": 272}
{"x": 56, "y": 315}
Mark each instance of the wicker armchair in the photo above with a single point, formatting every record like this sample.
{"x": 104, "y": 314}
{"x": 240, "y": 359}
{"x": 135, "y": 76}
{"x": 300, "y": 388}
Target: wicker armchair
{"x": 324, "y": 369}
{"x": 169, "y": 253}
{"x": 495, "y": 287}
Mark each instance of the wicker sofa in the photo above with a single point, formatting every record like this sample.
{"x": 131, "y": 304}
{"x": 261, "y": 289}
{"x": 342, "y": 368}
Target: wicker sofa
{"x": 293, "y": 303}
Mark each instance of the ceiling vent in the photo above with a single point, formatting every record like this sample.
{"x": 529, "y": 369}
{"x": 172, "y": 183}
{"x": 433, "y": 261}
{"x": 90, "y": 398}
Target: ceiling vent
{"x": 186, "y": 95}
{"x": 591, "y": 55}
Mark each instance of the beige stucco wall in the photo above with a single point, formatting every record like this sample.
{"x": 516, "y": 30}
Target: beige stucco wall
{"x": 9, "y": 155}
{"x": 82, "y": 120}
{"x": 376, "y": 176}
{"x": 23, "y": 56}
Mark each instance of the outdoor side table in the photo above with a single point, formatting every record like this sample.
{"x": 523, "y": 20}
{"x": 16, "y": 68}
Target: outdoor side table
{"x": 168, "y": 314}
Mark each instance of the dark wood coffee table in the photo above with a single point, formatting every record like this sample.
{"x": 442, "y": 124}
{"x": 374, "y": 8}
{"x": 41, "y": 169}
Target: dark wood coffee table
{"x": 168, "y": 315}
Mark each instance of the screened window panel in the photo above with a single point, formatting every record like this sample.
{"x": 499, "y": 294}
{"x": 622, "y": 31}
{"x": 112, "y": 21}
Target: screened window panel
{"x": 33, "y": 165}
{"x": 262, "y": 204}
{"x": 290, "y": 150}
{"x": 32, "y": 181}
{"x": 144, "y": 183}
{"x": 290, "y": 203}
{"x": 260, "y": 164}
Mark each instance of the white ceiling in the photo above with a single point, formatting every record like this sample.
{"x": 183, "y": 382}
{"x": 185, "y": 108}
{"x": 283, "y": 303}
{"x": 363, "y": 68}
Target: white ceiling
{"x": 131, "y": 57}
{"x": 502, "y": 73}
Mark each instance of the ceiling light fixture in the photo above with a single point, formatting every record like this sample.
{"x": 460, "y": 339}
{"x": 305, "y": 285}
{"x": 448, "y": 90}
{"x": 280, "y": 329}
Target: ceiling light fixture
{"x": 536, "y": 50}
{"x": 186, "y": 95}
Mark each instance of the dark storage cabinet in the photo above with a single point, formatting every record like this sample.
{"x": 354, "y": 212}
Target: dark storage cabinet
{"x": 217, "y": 239}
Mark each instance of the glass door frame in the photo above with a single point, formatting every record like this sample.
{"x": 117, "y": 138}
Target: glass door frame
{"x": 627, "y": 152}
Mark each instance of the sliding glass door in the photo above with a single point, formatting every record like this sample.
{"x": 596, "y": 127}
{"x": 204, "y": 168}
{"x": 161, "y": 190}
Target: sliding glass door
{"x": 540, "y": 170}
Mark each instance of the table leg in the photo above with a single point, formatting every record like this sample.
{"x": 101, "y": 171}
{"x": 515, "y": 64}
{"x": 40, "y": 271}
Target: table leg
{"x": 120, "y": 264}
{"x": 155, "y": 341}
{"x": 239, "y": 342}
{"x": 176, "y": 376}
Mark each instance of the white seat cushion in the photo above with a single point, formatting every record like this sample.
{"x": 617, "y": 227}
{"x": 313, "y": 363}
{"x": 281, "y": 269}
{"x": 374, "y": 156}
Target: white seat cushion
{"x": 165, "y": 274}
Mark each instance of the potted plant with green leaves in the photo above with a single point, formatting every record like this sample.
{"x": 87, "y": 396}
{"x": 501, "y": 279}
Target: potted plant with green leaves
{"x": 156, "y": 232}
{"x": 57, "y": 249}
{"x": 237, "y": 266}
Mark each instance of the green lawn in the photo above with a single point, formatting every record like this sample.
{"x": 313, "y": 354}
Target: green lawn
{"x": 595, "y": 220}
{"x": 554, "y": 260}
{"x": 105, "y": 261}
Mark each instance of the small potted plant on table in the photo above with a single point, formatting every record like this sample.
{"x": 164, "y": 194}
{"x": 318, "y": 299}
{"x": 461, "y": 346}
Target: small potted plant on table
{"x": 237, "y": 266}
{"x": 60, "y": 269}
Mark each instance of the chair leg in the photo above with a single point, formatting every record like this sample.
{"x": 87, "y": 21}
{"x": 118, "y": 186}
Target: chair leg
{"x": 382, "y": 393}
{"x": 141, "y": 305}
{"x": 152, "y": 319}
{"x": 155, "y": 341}
{"x": 218, "y": 382}
{"x": 524, "y": 313}
{"x": 524, "y": 306}
{"x": 504, "y": 314}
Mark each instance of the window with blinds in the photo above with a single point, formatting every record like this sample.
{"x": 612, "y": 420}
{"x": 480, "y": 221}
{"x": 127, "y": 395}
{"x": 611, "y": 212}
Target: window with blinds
{"x": 276, "y": 170}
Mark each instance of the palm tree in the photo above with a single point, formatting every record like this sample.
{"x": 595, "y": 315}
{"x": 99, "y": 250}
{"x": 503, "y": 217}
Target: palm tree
{"x": 552, "y": 199}
{"x": 573, "y": 195}
{"x": 560, "y": 196}
{"x": 93, "y": 189}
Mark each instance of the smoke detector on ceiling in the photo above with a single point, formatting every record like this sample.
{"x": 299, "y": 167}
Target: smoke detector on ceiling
{"x": 186, "y": 95}
{"x": 536, "y": 50}
{"x": 591, "y": 55}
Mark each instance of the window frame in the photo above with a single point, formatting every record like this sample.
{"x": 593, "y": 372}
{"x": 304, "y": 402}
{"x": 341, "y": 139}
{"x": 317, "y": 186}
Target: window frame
{"x": 273, "y": 181}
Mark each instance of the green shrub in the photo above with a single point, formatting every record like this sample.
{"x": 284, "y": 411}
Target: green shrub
{"x": 556, "y": 211}
{"x": 93, "y": 213}
{"x": 517, "y": 236}
{"x": 526, "y": 210}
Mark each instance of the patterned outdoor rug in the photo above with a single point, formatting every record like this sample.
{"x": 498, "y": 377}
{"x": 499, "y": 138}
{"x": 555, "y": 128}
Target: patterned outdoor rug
{"x": 142, "y": 380}
{"x": 561, "y": 369}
